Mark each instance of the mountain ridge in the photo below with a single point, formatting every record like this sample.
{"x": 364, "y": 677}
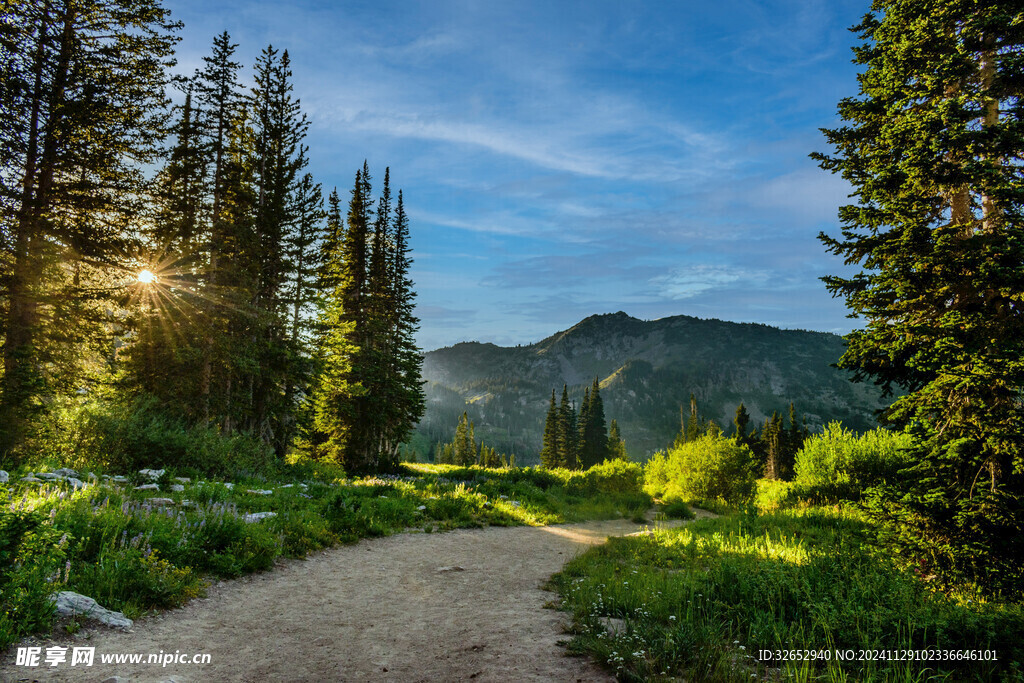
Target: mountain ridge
{"x": 647, "y": 370}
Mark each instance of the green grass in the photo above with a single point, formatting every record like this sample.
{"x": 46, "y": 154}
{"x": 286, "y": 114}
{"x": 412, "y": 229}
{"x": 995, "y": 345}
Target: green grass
{"x": 700, "y": 602}
{"x": 111, "y": 543}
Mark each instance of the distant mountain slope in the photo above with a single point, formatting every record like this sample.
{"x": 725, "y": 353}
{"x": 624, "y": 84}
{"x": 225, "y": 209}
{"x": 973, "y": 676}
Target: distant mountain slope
{"x": 647, "y": 371}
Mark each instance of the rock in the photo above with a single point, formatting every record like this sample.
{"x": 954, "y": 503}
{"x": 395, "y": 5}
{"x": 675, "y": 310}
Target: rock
{"x": 177, "y": 488}
{"x": 286, "y": 486}
{"x": 257, "y": 516}
{"x": 31, "y": 480}
{"x": 228, "y": 485}
{"x": 120, "y": 479}
{"x": 160, "y": 502}
{"x": 4, "y": 477}
{"x": 421, "y": 508}
{"x": 148, "y": 487}
{"x": 614, "y": 626}
{"x": 76, "y": 483}
{"x": 49, "y": 476}
{"x": 152, "y": 474}
{"x": 453, "y": 568}
{"x": 260, "y": 492}
{"x": 66, "y": 472}
{"x": 70, "y": 604}
{"x": 116, "y": 679}
{"x": 183, "y": 480}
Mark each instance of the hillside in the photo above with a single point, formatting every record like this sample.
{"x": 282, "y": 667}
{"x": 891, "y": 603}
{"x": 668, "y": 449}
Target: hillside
{"x": 647, "y": 370}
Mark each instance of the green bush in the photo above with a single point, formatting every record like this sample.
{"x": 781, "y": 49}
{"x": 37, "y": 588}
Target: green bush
{"x": 710, "y": 467}
{"x": 772, "y": 494}
{"x": 128, "y": 436}
{"x": 841, "y": 465}
{"x": 32, "y": 556}
{"x": 611, "y": 476}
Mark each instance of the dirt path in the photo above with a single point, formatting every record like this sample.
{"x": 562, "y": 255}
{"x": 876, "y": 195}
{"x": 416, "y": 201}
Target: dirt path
{"x": 463, "y": 605}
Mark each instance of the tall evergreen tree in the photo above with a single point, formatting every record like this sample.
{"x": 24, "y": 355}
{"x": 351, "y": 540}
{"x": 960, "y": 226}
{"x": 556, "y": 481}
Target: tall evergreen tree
{"x": 83, "y": 111}
{"x": 568, "y": 441}
{"x": 932, "y": 147}
{"x": 741, "y": 422}
{"x": 550, "y": 457}
{"x": 616, "y": 446}
{"x": 594, "y": 447}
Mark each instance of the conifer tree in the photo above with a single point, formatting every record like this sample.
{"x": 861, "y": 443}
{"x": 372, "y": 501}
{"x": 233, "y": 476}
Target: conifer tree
{"x": 773, "y": 445}
{"x": 932, "y": 146}
{"x": 741, "y": 422}
{"x": 594, "y": 449}
{"x": 550, "y": 457}
{"x": 616, "y": 446}
{"x": 568, "y": 444}
{"x": 83, "y": 111}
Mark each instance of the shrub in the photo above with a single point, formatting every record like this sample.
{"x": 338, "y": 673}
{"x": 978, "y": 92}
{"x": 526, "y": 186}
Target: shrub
{"x": 709, "y": 467}
{"x": 31, "y": 557}
{"x": 840, "y": 465}
{"x": 611, "y": 476}
{"x": 772, "y": 494}
{"x": 128, "y": 436}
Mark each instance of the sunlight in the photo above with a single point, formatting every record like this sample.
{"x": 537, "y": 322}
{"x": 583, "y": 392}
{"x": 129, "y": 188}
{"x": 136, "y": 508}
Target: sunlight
{"x": 146, "y": 277}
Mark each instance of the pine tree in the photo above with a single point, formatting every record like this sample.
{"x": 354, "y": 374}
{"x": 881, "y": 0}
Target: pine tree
{"x": 741, "y": 422}
{"x": 773, "y": 446}
{"x": 931, "y": 147}
{"x": 550, "y": 457}
{"x": 568, "y": 443}
{"x": 693, "y": 426}
{"x": 594, "y": 449}
{"x": 83, "y": 111}
{"x": 616, "y": 446}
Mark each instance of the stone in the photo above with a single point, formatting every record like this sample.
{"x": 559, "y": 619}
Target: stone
{"x": 116, "y": 679}
{"x": 183, "y": 480}
{"x": 120, "y": 479}
{"x": 31, "y": 480}
{"x": 76, "y": 483}
{"x": 257, "y": 516}
{"x": 71, "y": 604}
{"x": 160, "y": 502}
{"x": 148, "y": 487}
{"x": 66, "y": 472}
{"x": 453, "y": 568}
{"x": 49, "y": 476}
{"x": 177, "y": 488}
{"x": 4, "y": 477}
{"x": 152, "y": 474}
{"x": 228, "y": 485}
{"x": 260, "y": 492}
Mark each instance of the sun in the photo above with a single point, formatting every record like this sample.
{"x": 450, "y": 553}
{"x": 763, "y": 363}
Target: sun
{"x": 146, "y": 277}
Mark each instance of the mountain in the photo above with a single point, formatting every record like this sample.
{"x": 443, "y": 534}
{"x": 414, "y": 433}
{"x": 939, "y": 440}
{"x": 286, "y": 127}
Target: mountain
{"x": 647, "y": 371}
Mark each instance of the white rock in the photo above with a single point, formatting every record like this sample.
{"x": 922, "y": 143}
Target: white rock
{"x": 32, "y": 480}
{"x": 160, "y": 502}
{"x": 286, "y": 486}
{"x": 76, "y": 483}
{"x": 70, "y": 604}
{"x": 177, "y": 488}
{"x": 148, "y": 487}
{"x": 421, "y": 508}
{"x": 228, "y": 485}
{"x": 257, "y": 516}
{"x": 183, "y": 480}
{"x": 120, "y": 479}
{"x": 66, "y": 472}
{"x": 152, "y": 474}
{"x": 49, "y": 476}
{"x": 260, "y": 492}
{"x": 4, "y": 477}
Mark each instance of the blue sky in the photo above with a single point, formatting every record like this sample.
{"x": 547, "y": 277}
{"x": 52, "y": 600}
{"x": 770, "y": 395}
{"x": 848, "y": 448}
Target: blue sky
{"x": 561, "y": 159}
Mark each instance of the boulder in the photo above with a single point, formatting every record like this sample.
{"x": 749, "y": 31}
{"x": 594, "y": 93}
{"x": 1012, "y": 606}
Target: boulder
{"x": 183, "y": 480}
{"x": 66, "y": 472}
{"x": 152, "y": 474}
{"x": 4, "y": 477}
{"x": 257, "y": 516}
{"x": 148, "y": 487}
{"x": 76, "y": 483}
{"x": 71, "y": 604}
{"x": 260, "y": 492}
{"x": 177, "y": 488}
{"x": 49, "y": 476}
{"x": 31, "y": 480}
{"x": 160, "y": 502}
